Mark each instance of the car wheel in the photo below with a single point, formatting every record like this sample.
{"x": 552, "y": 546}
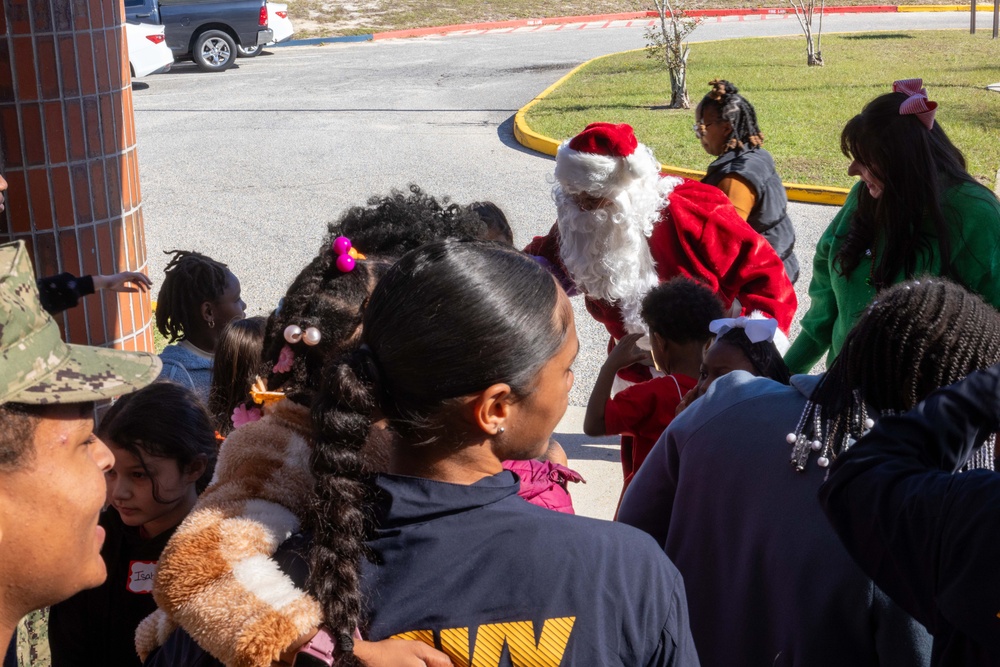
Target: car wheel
{"x": 248, "y": 51}
{"x": 214, "y": 51}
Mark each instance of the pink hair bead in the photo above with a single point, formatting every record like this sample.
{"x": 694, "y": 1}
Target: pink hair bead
{"x": 341, "y": 245}
{"x": 345, "y": 263}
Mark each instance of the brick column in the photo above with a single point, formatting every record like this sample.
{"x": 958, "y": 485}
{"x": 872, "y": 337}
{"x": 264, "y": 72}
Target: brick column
{"x": 67, "y": 142}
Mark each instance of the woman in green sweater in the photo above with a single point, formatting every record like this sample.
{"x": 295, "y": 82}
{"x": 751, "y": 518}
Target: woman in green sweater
{"x": 915, "y": 211}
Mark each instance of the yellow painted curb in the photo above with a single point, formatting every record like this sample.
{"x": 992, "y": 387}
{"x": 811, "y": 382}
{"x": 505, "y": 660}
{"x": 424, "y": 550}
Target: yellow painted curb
{"x": 812, "y": 194}
{"x": 942, "y": 8}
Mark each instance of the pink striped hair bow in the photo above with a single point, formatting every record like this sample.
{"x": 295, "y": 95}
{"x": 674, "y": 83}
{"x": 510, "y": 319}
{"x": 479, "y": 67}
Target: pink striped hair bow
{"x": 917, "y": 103}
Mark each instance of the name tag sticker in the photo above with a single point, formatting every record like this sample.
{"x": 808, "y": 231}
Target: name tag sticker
{"x": 140, "y": 576}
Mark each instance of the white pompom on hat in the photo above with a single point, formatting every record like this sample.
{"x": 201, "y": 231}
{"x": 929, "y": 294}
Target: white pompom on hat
{"x": 603, "y": 160}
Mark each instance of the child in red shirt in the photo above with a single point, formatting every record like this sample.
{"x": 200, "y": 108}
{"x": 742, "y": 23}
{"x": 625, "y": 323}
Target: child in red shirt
{"x": 677, "y": 314}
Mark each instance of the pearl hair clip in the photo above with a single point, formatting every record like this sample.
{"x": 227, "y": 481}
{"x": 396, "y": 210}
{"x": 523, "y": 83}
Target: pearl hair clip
{"x": 294, "y": 333}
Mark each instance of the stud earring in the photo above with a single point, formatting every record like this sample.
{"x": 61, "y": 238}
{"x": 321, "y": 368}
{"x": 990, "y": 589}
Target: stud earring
{"x": 500, "y": 430}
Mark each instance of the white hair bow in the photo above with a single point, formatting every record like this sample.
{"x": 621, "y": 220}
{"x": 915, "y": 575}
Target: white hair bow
{"x": 756, "y": 329}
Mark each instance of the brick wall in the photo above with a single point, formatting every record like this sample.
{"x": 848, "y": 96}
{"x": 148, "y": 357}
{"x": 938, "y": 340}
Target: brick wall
{"x": 67, "y": 146}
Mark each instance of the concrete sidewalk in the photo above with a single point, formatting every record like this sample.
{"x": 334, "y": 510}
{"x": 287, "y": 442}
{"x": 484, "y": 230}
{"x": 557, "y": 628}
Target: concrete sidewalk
{"x": 597, "y": 459}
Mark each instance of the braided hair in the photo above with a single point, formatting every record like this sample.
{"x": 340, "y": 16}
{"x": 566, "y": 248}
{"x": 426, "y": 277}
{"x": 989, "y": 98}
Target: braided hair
{"x": 724, "y": 97}
{"x": 413, "y": 370}
{"x": 915, "y": 166}
{"x": 191, "y": 279}
{"x": 324, "y": 297}
{"x": 916, "y": 337}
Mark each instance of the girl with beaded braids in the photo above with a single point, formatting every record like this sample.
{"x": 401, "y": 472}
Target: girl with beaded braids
{"x": 198, "y": 298}
{"x": 778, "y": 569}
{"x": 726, "y": 125}
{"x": 221, "y": 577}
{"x": 915, "y": 210}
{"x": 453, "y": 554}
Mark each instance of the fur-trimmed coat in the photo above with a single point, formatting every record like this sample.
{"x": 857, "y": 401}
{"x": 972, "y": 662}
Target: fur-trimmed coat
{"x": 217, "y": 577}
{"x": 700, "y": 235}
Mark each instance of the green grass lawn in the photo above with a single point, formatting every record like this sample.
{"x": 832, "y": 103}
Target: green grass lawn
{"x": 800, "y": 109}
{"x": 159, "y": 340}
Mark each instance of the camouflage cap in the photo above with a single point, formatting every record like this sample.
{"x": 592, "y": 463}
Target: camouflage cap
{"x": 36, "y": 366}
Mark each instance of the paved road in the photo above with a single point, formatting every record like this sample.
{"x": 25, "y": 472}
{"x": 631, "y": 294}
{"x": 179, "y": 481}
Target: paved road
{"x": 249, "y": 165}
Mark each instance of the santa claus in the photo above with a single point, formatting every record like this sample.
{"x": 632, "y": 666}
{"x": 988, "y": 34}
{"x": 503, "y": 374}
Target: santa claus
{"x": 622, "y": 228}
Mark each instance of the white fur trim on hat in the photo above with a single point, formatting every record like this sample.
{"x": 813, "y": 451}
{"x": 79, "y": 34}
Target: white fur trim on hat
{"x": 602, "y": 175}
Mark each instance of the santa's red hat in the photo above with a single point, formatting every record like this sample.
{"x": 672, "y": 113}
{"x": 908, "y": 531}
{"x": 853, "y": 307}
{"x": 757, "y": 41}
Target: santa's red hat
{"x": 603, "y": 160}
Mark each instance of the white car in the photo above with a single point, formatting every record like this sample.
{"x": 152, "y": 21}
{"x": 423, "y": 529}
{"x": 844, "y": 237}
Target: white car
{"x": 280, "y": 25}
{"x": 148, "y": 52}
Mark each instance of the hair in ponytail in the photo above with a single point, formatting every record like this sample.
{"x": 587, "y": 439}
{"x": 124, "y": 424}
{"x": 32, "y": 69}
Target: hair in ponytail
{"x": 449, "y": 319}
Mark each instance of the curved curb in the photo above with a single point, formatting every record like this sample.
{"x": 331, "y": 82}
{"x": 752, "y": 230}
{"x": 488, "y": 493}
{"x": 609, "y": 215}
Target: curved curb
{"x": 800, "y": 192}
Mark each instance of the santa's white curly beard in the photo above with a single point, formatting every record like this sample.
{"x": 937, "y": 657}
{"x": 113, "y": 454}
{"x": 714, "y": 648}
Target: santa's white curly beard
{"x": 606, "y": 250}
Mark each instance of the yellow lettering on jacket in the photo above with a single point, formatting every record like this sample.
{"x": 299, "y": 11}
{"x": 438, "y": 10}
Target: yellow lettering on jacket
{"x": 455, "y": 642}
{"x": 425, "y": 636}
{"x": 518, "y": 636}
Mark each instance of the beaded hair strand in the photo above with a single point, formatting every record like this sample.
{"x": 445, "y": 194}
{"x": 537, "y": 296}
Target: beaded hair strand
{"x": 915, "y": 337}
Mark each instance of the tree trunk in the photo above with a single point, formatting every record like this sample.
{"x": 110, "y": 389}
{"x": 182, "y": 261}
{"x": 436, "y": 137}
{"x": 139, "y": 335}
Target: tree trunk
{"x": 678, "y": 85}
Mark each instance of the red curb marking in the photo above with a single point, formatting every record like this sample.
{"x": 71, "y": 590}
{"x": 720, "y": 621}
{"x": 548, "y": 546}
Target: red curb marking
{"x": 563, "y": 21}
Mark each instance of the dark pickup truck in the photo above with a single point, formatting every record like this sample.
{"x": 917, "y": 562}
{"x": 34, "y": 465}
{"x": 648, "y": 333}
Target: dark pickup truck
{"x": 206, "y": 30}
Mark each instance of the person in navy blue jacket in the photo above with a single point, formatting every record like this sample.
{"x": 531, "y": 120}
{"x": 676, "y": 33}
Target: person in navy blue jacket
{"x": 465, "y": 359}
{"x": 926, "y": 535}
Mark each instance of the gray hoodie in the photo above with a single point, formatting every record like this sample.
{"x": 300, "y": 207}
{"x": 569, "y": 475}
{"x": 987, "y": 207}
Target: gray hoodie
{"x": 768, "y": 581}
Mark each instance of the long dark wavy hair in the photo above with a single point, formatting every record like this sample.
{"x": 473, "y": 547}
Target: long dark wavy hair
{"x": 916, "y": 166}
{"x": 237, "y": 364}
{"x": 448, "y": 320}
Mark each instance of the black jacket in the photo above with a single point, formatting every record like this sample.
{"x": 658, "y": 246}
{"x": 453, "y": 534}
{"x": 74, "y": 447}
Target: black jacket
{"x": 97, "y": 626}
{"x": 62, "y": 292}
{"x": 493, "y": 580}
{"x": 497, "y": 581}
{"x": 928, "y": 537}
{"x": 769, "y": 216}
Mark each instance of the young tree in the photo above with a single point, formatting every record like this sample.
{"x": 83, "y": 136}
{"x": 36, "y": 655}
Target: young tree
{"x": 804, "y": 10}
{"x": 666, "y": 42}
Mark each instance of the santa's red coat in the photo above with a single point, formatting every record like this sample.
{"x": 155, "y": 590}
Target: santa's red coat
{"x": 701, "y": 236}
